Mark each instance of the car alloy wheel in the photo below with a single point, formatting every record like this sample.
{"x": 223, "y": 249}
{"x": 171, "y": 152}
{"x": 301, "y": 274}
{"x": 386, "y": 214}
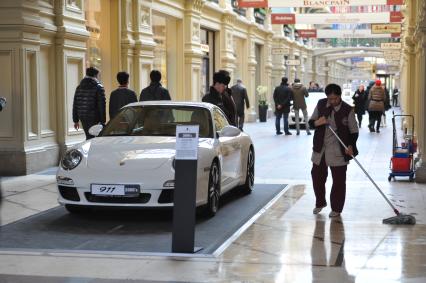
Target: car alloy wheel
{"x": 213, "y": 190}
{"x": 248, "y": 186}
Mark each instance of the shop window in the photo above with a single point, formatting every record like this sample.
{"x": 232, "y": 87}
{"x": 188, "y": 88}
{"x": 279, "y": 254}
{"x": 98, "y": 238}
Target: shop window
{"x": 207, "y": 47}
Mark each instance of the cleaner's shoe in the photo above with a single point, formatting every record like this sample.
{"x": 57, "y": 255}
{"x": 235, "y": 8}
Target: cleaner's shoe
{"x": 318, "y": 209}
{"x": 334, "y": 214}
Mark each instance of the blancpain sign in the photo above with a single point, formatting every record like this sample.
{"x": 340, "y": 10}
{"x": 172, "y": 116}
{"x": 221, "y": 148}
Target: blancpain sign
{"x": 327, "y": 3}
{"x": 349, "y": 18}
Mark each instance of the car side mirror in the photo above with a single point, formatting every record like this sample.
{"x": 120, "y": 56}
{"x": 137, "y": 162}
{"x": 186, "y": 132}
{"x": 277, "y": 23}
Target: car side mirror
{"x": 229, "y": 131}
{"x": 95, "y": 130}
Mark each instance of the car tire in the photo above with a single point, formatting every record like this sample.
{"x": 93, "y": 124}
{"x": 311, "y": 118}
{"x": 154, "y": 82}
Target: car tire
{"x": 77, "y": 209}
{"x": 213, "y": 190}
{"x": 249, "y": 184}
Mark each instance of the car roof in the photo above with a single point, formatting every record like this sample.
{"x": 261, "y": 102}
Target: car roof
{"x": 206, "y": 105}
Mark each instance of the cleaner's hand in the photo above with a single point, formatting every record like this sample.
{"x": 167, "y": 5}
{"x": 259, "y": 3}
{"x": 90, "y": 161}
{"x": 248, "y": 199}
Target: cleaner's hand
{"x": 321, "y": 121}
{"x": 349, "y": 151}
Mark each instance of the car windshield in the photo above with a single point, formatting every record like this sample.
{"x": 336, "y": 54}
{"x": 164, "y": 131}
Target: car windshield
{"x": 157, "y": 121}
{"x": 312, "y": 100}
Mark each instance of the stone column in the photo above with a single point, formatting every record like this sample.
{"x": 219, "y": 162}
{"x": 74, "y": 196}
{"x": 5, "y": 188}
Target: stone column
{"x": 137, "y": 42}
{"x": 70, "y": 54}
{"x": 251, "y": 67}
{"x": 278, "y": 68}
{"x": 420, "y": 34}
{"x": 226, "y": 42}
{"x": 267, "y": 74}
{"x": 42, "y": 58}
{"x": 192, "y": 51}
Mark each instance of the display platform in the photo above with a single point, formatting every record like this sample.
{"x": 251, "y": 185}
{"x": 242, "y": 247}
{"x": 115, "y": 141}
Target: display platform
{"x": 132, "y": 230}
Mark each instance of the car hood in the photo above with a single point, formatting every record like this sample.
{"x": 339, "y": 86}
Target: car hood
{"x": 130, "y": 153}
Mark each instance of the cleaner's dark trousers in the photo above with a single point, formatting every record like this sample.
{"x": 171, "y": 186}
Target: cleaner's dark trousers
{"x": 338, "y": 190}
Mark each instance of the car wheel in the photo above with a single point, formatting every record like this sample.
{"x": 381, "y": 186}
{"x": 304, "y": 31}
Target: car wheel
{"x": 213, "y": 190}
{"x": 248, "y": 185}
{"x": 77, "y": 209}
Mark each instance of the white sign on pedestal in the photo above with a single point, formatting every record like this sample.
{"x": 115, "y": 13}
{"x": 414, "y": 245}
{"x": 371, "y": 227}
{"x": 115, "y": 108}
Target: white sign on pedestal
{"x": 187, "y": 142}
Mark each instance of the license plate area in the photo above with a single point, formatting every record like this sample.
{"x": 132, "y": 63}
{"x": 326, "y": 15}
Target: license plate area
{"x": 115, "y": 190}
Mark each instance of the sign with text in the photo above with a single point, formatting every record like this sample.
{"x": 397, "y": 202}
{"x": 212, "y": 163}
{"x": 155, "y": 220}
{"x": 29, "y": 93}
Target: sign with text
{"x": 342, "y": 18}
{"x": 283, "y": 19}
{"x": 187, "y": 142}
{"x": 385, "y": 28}
{"x": 391, "y": 45}
{"x": 292, "y": 62}
{"x": 252, "y": 3}
{"x": 280, "y": 51}
{"x": 396, "y": 17}
{"x": 391, "y": 53}
{"x": 205, "y": 48}
{"x": 363, "y": 64}
{"x": 327, "y": 3}
{"x": 307, "y": 33}
{"x": 355, "y": 33}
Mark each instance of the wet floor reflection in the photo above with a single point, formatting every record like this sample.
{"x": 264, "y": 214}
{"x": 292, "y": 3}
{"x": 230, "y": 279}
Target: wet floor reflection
{"x": 327, "y": 250}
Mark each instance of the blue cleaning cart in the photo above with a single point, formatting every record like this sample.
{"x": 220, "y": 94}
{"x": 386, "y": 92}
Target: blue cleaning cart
{"x": 402, "y": 161}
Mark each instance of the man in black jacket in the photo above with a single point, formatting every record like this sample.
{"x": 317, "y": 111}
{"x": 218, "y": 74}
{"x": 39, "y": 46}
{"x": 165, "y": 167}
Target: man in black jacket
{"x": 283, "y": 95}
{"x": 155, "y": 91}
{"x": 219, "y": 97}
{"x": 89, "y": 102}
{"x": 122, "y": 95}
{"x": 239, "y": 94}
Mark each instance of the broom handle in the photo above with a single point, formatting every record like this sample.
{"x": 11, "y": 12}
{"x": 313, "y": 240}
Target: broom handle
{"x": 371, "y": 179}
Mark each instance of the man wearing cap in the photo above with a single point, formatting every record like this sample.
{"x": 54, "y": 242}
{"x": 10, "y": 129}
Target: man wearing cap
{"x": 327, "y": 150}
{"x": 376, "y": 105}
{"x": 218, "y": 96}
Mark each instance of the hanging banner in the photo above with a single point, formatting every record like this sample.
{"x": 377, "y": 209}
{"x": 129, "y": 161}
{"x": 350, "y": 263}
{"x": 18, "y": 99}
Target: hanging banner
{"x": 280, "y": 51}
{"x": 385, "y": 28}
{"x": 356, "y": 33}
{"x": 312, "y": 3}
{"x": 363, "y": 64}
{"x": 390, "y": 45}
{"x": 307, "y": 33}
{"x": 324, "y": 19}
{"x": 283, "y": 19}
{"x": 293, "y": 62}
{"x": 396, "y": 17}
{"x": 252, "y": 3}
{"x": 326, "y": 3}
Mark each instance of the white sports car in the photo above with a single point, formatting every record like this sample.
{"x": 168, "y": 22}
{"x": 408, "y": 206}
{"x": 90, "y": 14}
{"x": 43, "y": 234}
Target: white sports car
{"x": 130, "y": 162}
{"x": 311, "y": 103}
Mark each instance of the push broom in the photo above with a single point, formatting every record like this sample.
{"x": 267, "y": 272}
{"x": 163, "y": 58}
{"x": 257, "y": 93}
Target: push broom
{"x": 400, "y": 218}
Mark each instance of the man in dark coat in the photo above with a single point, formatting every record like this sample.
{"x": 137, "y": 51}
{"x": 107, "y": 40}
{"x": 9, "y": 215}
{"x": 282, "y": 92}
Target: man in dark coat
{"x": 239, "y": 94}
{"x": 283, "y": 95}
{"x": 155, "y": 91}
{"x": 122, "y": 95}
{"x": 332, "y": 112}
{"x": 89, "y": 102}
{"x": 219, "y": 97}
{"x": 359, "y": 99}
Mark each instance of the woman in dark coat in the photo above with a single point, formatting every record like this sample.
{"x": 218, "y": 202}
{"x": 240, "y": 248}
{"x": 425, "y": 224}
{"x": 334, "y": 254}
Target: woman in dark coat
{"x": 359, "y": 99}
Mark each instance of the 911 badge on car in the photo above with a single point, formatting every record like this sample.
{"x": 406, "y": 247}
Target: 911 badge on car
{"x": 130, "y": 162}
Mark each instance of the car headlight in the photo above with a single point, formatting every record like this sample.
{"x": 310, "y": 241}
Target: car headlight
{"x": 71, "y": 159}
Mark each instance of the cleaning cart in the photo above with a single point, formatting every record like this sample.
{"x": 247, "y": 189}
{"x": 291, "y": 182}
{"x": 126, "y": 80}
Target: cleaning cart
{"x": 402, "y": 161}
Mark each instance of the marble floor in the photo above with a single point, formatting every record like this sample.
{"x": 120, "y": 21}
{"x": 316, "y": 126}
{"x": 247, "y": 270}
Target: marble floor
{"x": 284, "y": 243}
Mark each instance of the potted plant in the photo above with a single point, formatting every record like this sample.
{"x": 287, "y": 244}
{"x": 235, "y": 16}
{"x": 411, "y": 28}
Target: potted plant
{"x": 263, "y": 104}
